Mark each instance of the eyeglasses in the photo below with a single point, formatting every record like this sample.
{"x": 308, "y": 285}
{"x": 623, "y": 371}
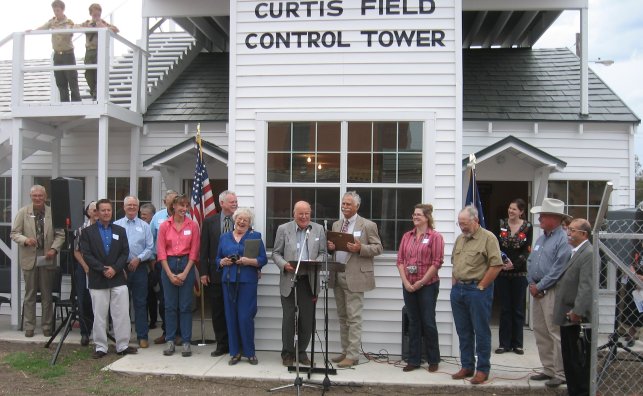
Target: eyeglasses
{"x": 575, "y": 230}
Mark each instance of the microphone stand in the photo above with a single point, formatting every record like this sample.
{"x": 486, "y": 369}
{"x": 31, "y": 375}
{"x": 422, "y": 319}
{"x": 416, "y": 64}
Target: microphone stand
{"x": 298, "y": 380}
{"x": 326, "y": 381}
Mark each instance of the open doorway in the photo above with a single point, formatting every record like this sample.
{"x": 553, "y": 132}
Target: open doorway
{"x": 495, "y": 197}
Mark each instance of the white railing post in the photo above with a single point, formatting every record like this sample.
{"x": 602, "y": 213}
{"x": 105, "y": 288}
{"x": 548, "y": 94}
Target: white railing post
{"x": 102, "y": 64}
{"x": 18, "y": 77}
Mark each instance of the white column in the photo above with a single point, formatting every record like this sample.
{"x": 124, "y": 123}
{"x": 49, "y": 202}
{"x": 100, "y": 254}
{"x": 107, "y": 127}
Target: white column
{"x": 55, "y": 158}
{"x": 584, "y": 79}
{"x": 16, "y": 199}
{"x": 135, "y": 140}
{"x": 103, "y": 132}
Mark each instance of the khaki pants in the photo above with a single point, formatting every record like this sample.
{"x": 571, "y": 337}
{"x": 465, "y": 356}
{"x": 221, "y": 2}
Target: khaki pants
{"x": 548, "y": 335}
{"x": 39, "y": 278}
{"x": 349, "y": 310}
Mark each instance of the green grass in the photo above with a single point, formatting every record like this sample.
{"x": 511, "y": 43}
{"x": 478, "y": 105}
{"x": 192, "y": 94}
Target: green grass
{"x": 39, "y": 365}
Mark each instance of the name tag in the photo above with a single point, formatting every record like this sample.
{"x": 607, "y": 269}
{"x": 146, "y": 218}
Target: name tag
{"x": 298, "y": 245}
{"x": 317, "y": 239}
{"x": 536, "y": 248}
{"x": 425, "y": 240}
{"x": 357, "y": 233}
{"x": 115, "y": 237}
{"x": 187, "y": 232}
{"x": 161, "y": 221}
{"x": 139, "y": 229}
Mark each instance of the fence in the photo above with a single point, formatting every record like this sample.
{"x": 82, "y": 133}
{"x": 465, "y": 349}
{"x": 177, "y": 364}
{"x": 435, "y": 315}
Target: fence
{"x": 617, "y": 356}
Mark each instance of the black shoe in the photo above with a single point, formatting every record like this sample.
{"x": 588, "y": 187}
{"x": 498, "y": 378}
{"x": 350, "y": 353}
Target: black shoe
{"x": 84, "y": 340}
{"x": 219, "y": 352}
{"x": 540, "y": 377}
{"x": 501, "y": 350}
{"x": 98, "y": 354}
{"x": 519, "y": 351}
{"x": 152, "y": 325}
{"x": 128, "y": 351}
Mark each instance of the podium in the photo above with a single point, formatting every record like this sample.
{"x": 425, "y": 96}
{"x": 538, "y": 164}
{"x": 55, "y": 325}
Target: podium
{"x": 317, "y": 266}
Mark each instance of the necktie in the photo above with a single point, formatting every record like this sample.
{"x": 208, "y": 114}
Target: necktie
{"x": 345, "y": 226}
{"x": 227, "y": 224}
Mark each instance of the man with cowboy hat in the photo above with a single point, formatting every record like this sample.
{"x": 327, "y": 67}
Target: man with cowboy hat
{"x": 545, "y": 265}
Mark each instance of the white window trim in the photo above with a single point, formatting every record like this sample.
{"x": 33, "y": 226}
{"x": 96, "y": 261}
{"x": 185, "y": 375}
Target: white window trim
{"x": 262, "y": 119}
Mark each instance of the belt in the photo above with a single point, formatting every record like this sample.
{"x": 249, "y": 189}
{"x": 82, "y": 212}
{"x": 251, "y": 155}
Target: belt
{"x": 467, "y": 282}
{"x": 64, "y": 52}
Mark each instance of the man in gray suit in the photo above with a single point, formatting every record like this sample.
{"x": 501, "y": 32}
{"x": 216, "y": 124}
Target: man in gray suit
{"x": 298, "y": 238}
{"x": 33, "y": 232}
{"x": 359, "y": 277}
{"x": 574, "y": 306}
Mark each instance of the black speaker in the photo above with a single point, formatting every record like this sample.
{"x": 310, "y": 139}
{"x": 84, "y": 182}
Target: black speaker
{"x": 67, "y": 203}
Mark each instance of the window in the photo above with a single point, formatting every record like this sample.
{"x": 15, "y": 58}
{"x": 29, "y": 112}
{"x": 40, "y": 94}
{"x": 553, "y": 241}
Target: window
{"x": 384, "y": 166}
{"x": 582, "y": 197}
{"x": 118, "y": 189}
{"x": 5, "y": 218}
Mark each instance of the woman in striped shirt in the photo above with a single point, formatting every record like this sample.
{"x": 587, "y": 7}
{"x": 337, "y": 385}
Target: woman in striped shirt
{"x": 419, "y": 258}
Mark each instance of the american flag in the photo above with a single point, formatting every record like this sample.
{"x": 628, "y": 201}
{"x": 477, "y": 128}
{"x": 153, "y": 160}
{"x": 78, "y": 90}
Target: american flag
{"x": 202, "y": 200}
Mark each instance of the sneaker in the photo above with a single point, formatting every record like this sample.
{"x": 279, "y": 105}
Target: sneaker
{"x": 169, "y": 349}
{"x": 187, "y": 352}
{"x": 555, "y": 383}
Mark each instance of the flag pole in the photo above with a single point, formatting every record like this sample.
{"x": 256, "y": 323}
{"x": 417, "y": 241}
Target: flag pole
{"x": 198, "y": 142}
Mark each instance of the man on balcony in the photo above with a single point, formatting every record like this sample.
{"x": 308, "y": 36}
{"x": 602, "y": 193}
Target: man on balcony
{"x": 91, "y": 44}
{"x": 66, "y": 80}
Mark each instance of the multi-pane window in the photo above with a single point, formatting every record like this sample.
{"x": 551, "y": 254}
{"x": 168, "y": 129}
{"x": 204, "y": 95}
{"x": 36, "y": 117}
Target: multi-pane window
{"x": 582, "y": 197}
{"x": 383, "y": 164}
{"x": 118, "y": 189}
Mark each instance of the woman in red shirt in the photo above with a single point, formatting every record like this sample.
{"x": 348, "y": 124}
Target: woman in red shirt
{"x": 419, "y": 258}
{"x": 177, "y": 250}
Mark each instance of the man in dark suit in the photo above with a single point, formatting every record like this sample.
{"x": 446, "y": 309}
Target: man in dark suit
{"x": 289, "y": 243}
{"x": 106, "y": 250}
{"x": 359, "y": 277}
{"x": 212, "y": 229}
{"x": 573, "y": 306}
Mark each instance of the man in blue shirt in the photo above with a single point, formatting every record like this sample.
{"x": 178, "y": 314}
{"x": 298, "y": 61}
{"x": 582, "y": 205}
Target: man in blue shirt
{"x": 105, "y": 249}
{"x": 139, "y": 262}
{"x": 545, "y": 265}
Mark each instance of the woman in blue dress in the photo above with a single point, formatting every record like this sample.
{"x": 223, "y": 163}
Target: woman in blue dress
{"x": 240, "y": 276}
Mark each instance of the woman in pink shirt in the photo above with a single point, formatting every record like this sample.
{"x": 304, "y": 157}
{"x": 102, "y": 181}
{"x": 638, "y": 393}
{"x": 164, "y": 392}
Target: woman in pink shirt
{"x": 178, "y": 250}
{"x": 419, "y": 258}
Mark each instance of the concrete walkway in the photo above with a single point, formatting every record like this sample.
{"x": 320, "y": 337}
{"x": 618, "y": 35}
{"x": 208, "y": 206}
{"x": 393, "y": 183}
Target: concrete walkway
{"x": 507, "y": 370}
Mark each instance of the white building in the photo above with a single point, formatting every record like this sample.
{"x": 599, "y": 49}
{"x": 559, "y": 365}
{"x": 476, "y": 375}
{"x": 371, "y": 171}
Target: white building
{"x": 306, "y": 100}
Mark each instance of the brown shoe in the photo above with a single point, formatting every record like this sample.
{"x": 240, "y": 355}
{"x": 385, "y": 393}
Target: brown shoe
{"x": 160, "y": 339}
{"x": 433, "y": 367}
{"x": 304, "y": 361}
{"x": 347, "y": 363}
{"x": 287, "y": 360}
{"x": 29, "y": 333}
{"x": 479, "y": 378}
{"x": 143, "y": 343}
{"x": 410, "y": 367}
{"x": 338, "y": 358}
{"x": 462, "y": 374}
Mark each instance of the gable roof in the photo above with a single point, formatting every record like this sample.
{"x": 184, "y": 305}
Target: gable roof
{"x": 199, "y": 94}
{"x": 534, "y": 85}
{"x": 185, "y": 146}
{"x": 520, "y": 149}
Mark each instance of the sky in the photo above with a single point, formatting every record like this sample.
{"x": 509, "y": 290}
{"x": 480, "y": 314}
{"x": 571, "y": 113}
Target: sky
{"x": 615, "y": 31}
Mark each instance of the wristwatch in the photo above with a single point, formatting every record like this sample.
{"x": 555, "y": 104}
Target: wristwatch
{"x": 481, "y": 288}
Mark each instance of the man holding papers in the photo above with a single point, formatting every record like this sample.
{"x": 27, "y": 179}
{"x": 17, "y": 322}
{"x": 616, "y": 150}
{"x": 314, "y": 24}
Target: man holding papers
{"x": 295, "y": 239}
{"x": 359, "y": 277}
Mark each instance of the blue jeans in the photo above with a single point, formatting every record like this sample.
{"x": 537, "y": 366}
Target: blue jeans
{"x": 420, "y": 309}
{"x": 471, "y": 313}
{"x": 84, "y": 299}
{"x": 512, "y": 293}
{"x": 178, "y": 298}
{"x": 137, "y": 284}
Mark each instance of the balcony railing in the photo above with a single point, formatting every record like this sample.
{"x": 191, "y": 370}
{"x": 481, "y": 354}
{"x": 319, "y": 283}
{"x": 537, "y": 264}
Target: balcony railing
{"x": 119, "y": 82}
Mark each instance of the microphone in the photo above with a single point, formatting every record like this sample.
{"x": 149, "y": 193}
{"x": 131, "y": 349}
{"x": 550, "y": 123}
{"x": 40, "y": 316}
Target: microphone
{"x": 310, "y": 227}
{"x": 325, "y": 225}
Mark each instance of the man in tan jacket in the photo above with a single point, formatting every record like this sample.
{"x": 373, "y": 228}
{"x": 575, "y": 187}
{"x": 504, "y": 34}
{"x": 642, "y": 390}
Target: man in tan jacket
{"x": 38, "y": 246}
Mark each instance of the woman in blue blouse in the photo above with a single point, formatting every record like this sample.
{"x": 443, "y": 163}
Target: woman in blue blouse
{"x": 239, "y": 277}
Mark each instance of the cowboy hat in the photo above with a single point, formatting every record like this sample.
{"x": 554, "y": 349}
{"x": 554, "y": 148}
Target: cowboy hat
{"x": 551, "y": 206}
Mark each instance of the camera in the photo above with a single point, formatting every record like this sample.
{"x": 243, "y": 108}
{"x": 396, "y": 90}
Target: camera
{"x": 504, "y": 257}
{"x": 234, "y": 258}
{"x": 412, "y": 269}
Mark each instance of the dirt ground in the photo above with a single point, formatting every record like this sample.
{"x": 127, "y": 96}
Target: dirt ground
{"x": 25, "y": 370}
